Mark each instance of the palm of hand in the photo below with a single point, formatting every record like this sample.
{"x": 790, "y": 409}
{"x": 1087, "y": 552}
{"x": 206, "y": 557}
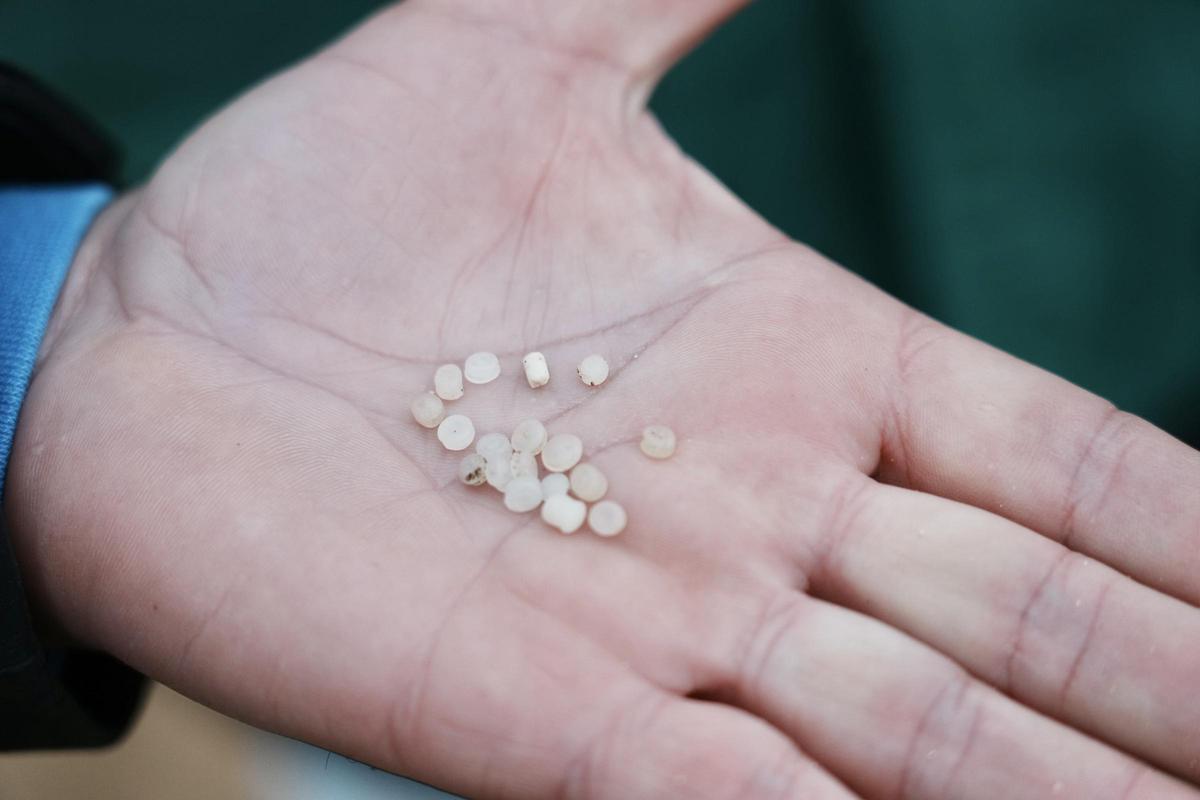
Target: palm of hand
{"x": 293, "y": 549}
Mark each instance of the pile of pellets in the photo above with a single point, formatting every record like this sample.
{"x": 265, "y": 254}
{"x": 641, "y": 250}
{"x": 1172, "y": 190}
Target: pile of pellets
{"x": 572, "y": 491}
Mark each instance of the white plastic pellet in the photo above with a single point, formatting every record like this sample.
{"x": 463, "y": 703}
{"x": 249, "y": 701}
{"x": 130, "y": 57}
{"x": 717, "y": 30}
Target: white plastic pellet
{"x": 537, "y": 372}
{"x": 529, "y": 436}
{"x": 564, "y": 512}
{"x": 588, "y": 482}
{"x": 456, "y": 432}
{"x": 562, "y": 452}
{"x": 658, "y": 441}
{"x": 607, "y": 518}
{"x": 523, "y": 494}
{"x": 524, "y": 465}
{"x": 428, "y": 409}
{"x": 481, "y": 367}
{"x": 555, "y": 483}
{"x": 472, "y": 470}
{"x": 593, "y": 370}
{"x": 499, "y": 472}
{"x": 493, "y": 446}
{"x": 448, "y": 382}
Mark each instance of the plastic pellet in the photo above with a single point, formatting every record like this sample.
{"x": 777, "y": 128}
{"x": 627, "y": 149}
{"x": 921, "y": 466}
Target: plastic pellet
{"x": 448, "y": 382}
{"x": 493, "y": 446}
{"x": 588, "y": 482}
{"x": 524, "y": 465}
{"x": 593, "y": 370}
{"x": 555, "y": 483}
{"x": 456, "y": 432}
{"x": 529, "y": 436}
{"x": 607, "y": 518}
{"x": 537, "y": 372}
{"x": 481, "y": 367}
{"x": 499, "y": 472}
{"x": 472, "y": 470}
{"x": 564, "y": 512}
{"x": 658, "y": 441}
{"x": 523, "y": 494}
{"x": 562, "y": 452}
{"x": 428, "y": 409}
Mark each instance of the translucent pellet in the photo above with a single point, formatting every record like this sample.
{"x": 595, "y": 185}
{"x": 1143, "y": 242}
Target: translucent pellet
{"x": 562, "y": 451}
{"x": 529, "y": 436}
{"x": 564, "y": 512}
{"x": 448, "y": 382}
{"x": 537, "y": 372}
{"x": 593, "y": 370}
{"x": 523, "y": 494}
{"x": 472, "y": 470}
{"x": 499, "y": 472}
{"x": 555, "y": 483}
{"x": 493, "y": 446}
{"x": 588, "y": 482}
{"x": 481, "y": 367}
{"x": 607, "y": 518}
{"x": 428, "y": 409}
{"x": 524, "y": 465}
{"x": 456, "y": 432}
{"x": 658, "y": 441}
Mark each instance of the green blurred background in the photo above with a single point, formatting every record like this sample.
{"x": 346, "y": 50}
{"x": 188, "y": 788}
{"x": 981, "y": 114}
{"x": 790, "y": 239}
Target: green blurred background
{"x": 1026, "y": 171}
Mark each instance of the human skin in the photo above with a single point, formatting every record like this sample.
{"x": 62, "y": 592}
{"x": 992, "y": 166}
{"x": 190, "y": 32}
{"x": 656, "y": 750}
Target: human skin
{"x": 885, "y": 561}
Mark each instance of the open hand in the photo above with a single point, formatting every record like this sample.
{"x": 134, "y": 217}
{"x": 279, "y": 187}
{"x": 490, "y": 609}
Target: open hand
{"x": 886, "y": 561}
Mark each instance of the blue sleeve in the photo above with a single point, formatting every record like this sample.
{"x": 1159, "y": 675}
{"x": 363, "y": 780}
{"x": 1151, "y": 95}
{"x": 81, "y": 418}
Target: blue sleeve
{"x": 40, "y": 230}
{"x": 49, "y": 698}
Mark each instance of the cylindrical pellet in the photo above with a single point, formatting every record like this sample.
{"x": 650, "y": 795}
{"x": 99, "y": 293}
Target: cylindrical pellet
{"x": 524, "y": 465}
{"x": 523, "y": 494}
{"x": 428, "y": 409}
{"x": 448, "y": 382}
{"x": 529, "y": 435}
{"x": 481, "y": 367}
{"x": 493, "y": 446}
{"x": 537, "y": 372}
{"x": 555, "y": 483}
{"x": 472, "y": 470}
{"x": 456, "y": 432}
{"x": 564, "y": 512}
{"x": 658, "y": 441}
{"x": 562, "y": 452}
{"x": 593, "y": 370}
{"x": 499, "y": 472}
{"x": 588, "y": 482}
{"x": 607, "y": 518}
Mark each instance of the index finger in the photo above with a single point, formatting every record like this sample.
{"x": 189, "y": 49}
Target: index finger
{"x": 976, "y": 425}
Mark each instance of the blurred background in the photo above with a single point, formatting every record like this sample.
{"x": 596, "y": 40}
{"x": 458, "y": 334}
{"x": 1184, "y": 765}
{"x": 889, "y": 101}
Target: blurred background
{"x": 1027, "y": 172}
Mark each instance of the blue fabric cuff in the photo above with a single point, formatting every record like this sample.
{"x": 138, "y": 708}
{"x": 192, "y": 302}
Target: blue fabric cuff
{"x": 40, "y": 230}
